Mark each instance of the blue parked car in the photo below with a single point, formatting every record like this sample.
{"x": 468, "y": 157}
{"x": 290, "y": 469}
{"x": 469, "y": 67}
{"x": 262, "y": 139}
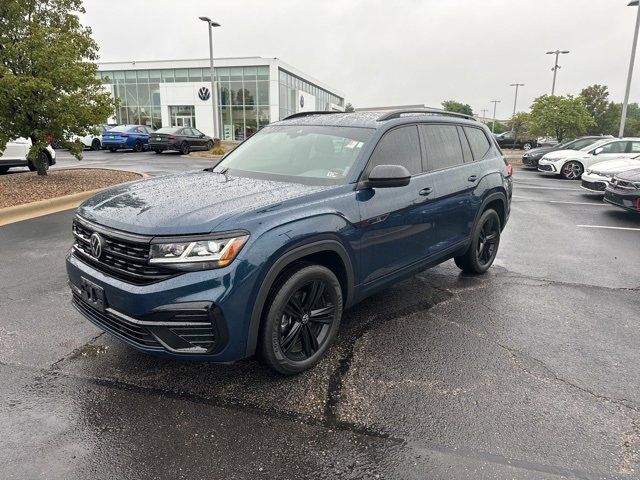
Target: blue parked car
{"x": 135, "y": 137}
{"x": 263, "y": 253}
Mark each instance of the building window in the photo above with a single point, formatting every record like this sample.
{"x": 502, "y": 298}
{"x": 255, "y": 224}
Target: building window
{"x": 182, "y": 115}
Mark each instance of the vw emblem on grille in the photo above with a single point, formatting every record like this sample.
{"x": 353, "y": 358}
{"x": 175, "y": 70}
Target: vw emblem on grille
{"x": 95, "y": 244}
{"x": 204, "y": 94}
{"x": 301, "y": 101}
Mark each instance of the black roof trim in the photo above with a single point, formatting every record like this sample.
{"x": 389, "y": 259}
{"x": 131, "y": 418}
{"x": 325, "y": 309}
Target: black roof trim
{"x": 306, "y": 114}
{"x": 424, "y": 111}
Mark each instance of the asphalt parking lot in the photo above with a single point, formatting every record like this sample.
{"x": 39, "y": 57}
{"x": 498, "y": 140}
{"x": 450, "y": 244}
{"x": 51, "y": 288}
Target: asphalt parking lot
{"x": 530, "y": 371}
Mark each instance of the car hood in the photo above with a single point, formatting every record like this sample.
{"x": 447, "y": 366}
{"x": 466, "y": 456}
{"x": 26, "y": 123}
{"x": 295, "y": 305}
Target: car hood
{"x": 539, "y": 151}
{"x": 616, "y": 166}
{"x": 630, "y": 176}
{"x": 189, "y": 203}
{"x": 558, "y": 154}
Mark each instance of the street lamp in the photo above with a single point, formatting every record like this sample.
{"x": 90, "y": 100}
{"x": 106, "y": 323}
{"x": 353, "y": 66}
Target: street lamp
{"x": 623, "y": 117}
{"x": 214, "y": 95}
{"x": 495, "y": 105}
{"x": 515, "y": 100}
{"x": 556, "y": 67}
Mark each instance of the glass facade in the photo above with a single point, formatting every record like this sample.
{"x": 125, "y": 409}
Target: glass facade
{"x": 289, "y": 85}
{"x": 243, "y": 96}
{"x": 182, "y": 115}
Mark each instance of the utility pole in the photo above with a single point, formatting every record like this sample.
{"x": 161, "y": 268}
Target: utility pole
{"x": 556, "y": 67}
{"x": 623, "y": 116}
{"x": 484, "y": 115}
{"x": 515, "y": 100}
{"x": 495, "y": 106}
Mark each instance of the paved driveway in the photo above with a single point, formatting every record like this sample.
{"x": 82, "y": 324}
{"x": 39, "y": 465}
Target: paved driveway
{"x": 530, "y": 371}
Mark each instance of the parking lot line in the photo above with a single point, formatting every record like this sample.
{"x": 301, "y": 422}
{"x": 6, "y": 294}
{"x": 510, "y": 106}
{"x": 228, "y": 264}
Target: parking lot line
{"x": 517, "y": 197}
{"x": 633, "y": 229}
{"x": 549, "y": 188}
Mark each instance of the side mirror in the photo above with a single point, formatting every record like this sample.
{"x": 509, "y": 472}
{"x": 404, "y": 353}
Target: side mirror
{"x": 387, "y": 176}
{"x": 598, "y": 151}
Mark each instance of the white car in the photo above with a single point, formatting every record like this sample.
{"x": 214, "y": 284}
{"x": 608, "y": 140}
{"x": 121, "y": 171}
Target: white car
{"x": 15, "y": 155}
{"x": 571, "y": 164}
{"x": 94, "y": 142}
{"x": 599, "y": 175}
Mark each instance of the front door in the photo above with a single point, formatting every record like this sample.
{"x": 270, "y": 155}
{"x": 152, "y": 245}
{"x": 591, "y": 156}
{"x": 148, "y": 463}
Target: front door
{"x": 396, "y": 225}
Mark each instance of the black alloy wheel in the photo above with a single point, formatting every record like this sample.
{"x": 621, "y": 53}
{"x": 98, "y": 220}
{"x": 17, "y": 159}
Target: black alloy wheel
{"x": 95, "y": 144}
{"x": 484, "y": 244}
{"x": 4, "y": 170}
{"x": 111, "y": 149}
{"x": 209, "y": 145}
{"x": 44, "y": 158}
{"x": 302, "y": 319}
{"x": 138, "y": 146}
{"x": 184, "y": 148}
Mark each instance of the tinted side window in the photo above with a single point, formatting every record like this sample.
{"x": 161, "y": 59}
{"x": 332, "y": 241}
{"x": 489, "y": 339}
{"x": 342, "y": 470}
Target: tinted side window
{"x": 635, "y": 147}
{"x": 614, "y": 147}
{"x": 400, "y": 146}
{"x": 466, "y": 151}
{"x": 479, "y": 143}
{"x": 579, "y": 144}
{"x": 443, "y": 146}
{"x": 187, "y": 131}
{"x": 197, "y": 133}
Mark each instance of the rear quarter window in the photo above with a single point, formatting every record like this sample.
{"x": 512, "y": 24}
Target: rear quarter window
{"x": 478, "y": 142}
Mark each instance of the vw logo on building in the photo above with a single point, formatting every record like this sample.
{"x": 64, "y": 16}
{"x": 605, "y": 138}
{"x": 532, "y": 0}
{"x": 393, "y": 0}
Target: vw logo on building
{"x": 301, "y": 101}
{"x": 95, "y": 244}
{"x": 204, "y": 94}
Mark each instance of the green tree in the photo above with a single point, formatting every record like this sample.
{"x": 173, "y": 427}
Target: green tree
{"x": 453, "y": 106}
{"x": 499, "y": 127}
{"x": 561, "y": 117}
{"x": 519, "y": 124}
{"x": 595, "y": 99}
{"x": 349, "y": 108}
{"x": 48, "y": 75}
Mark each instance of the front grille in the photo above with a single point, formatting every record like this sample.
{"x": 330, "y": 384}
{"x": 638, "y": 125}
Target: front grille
{"x": 546, "y": 168}
{"x": 123, "y": 257}
{"x": 599, "y": 186}
{"x": 529, "y": 162}
{"x": 136, "y": 334}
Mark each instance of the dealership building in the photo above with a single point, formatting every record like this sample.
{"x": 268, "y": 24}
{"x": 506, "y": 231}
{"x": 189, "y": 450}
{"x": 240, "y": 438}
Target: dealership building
{"x": 252, "y": 92}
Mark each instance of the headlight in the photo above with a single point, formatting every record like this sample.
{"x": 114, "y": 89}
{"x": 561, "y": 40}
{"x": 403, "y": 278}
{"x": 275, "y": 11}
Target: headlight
{"x": 200, "y": 252}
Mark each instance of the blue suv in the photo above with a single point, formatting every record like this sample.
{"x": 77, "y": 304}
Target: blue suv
{"x": 262, "y": 253}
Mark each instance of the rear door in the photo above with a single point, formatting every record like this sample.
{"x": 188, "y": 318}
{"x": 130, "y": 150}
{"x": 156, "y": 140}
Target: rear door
{"x": 455, "y": 175}
{"x": 17, "y": 149}
{"x": 395, "y": 226}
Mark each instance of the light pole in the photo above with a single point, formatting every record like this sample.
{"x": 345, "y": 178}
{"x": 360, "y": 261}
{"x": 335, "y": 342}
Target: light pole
{"x": 495, "y": 106}
{"x": 214, "y": 94}
{"x": 515, "y": 100}
{"x": 555, "y": 68}
{"x": 623, "y": 116}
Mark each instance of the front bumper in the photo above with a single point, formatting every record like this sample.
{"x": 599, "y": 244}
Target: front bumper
{"x": 627, "y": 199}
{"x": 594, "y": 183}
{"x": 185, "y": 317}
{"x": 548, "y": 168}
{"x": 530, "y": 162}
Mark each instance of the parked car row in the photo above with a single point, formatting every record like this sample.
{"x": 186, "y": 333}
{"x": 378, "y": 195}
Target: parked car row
{"x": 15, "y": 155}
{"x": 606, "y": 166}
{"x": 144, "y": 137}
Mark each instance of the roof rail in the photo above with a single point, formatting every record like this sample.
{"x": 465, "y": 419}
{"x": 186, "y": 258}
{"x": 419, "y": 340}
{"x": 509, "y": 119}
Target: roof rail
{"x": 305, "y": 114}
{"x": 424, "y": 111}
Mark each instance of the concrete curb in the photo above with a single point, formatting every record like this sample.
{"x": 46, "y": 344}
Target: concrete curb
{"x": 45, "y": 207}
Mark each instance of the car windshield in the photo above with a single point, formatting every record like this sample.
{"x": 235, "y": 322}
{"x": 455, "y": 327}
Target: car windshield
{"x": 306, "y": 154}
{"x": 168, "y": 130}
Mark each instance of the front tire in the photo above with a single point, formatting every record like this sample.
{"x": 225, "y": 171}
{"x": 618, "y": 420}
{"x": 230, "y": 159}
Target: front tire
{"x": 112, "y": 149}
{"x": 572, "y": 170}
{"x": 301, "y": 319}
{"x": 184, "y": 148}
{"x": 96, "y": 145}
{"x": 527, "y": 146}
{"x": 44, "y": 158}
{"x": 484, "y": 244}
{"x": 4, "y": 170}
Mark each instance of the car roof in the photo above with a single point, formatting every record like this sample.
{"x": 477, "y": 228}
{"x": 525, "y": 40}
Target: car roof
{"x": 375, "y": 120}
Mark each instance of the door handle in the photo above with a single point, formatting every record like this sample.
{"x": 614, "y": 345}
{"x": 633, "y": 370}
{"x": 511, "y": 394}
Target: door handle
{"x": 473, "y": 178}
{"x": 426, "y": 191}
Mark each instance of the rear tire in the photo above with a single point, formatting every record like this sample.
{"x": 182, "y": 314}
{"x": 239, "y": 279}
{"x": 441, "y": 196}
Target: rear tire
{"x": 138, "y": 146}
{"x": 484, "y": 244}
{"x": 301, "y": 319}
{"x": 44, "y": 158}
{"x": 112, "y": 149}
{"x": 158, "y": 151}
{"x": 96, "y": 144}
{"x": 4, "y": 170}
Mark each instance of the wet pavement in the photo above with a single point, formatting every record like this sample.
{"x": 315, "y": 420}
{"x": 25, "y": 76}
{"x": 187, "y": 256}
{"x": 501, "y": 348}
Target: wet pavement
{"x": 529, "y": 371}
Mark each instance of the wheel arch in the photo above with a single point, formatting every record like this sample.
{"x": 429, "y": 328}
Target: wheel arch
{"x": 327, "y": 252}
{"x": 498, "y": 202}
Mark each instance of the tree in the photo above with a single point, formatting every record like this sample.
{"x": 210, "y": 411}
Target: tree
{"x": 48, "y": 76}
{"x": 453, "y": 106}
{"x": 595, "y": 99}
{"x": 561, "y": 117}
{"x": 498, "y": 128}
{"x": 519, "y": 125}
{"x": 349, "y": 108}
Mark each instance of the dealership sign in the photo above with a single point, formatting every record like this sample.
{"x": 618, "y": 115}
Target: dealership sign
{"x": 204, "y": 94}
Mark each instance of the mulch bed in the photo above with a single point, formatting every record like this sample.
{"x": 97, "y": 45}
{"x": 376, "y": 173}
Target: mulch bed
{"x": 21, "y": 188}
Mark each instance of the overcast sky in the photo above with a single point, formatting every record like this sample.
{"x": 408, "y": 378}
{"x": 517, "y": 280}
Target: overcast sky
{"x": 392, "y": 52}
